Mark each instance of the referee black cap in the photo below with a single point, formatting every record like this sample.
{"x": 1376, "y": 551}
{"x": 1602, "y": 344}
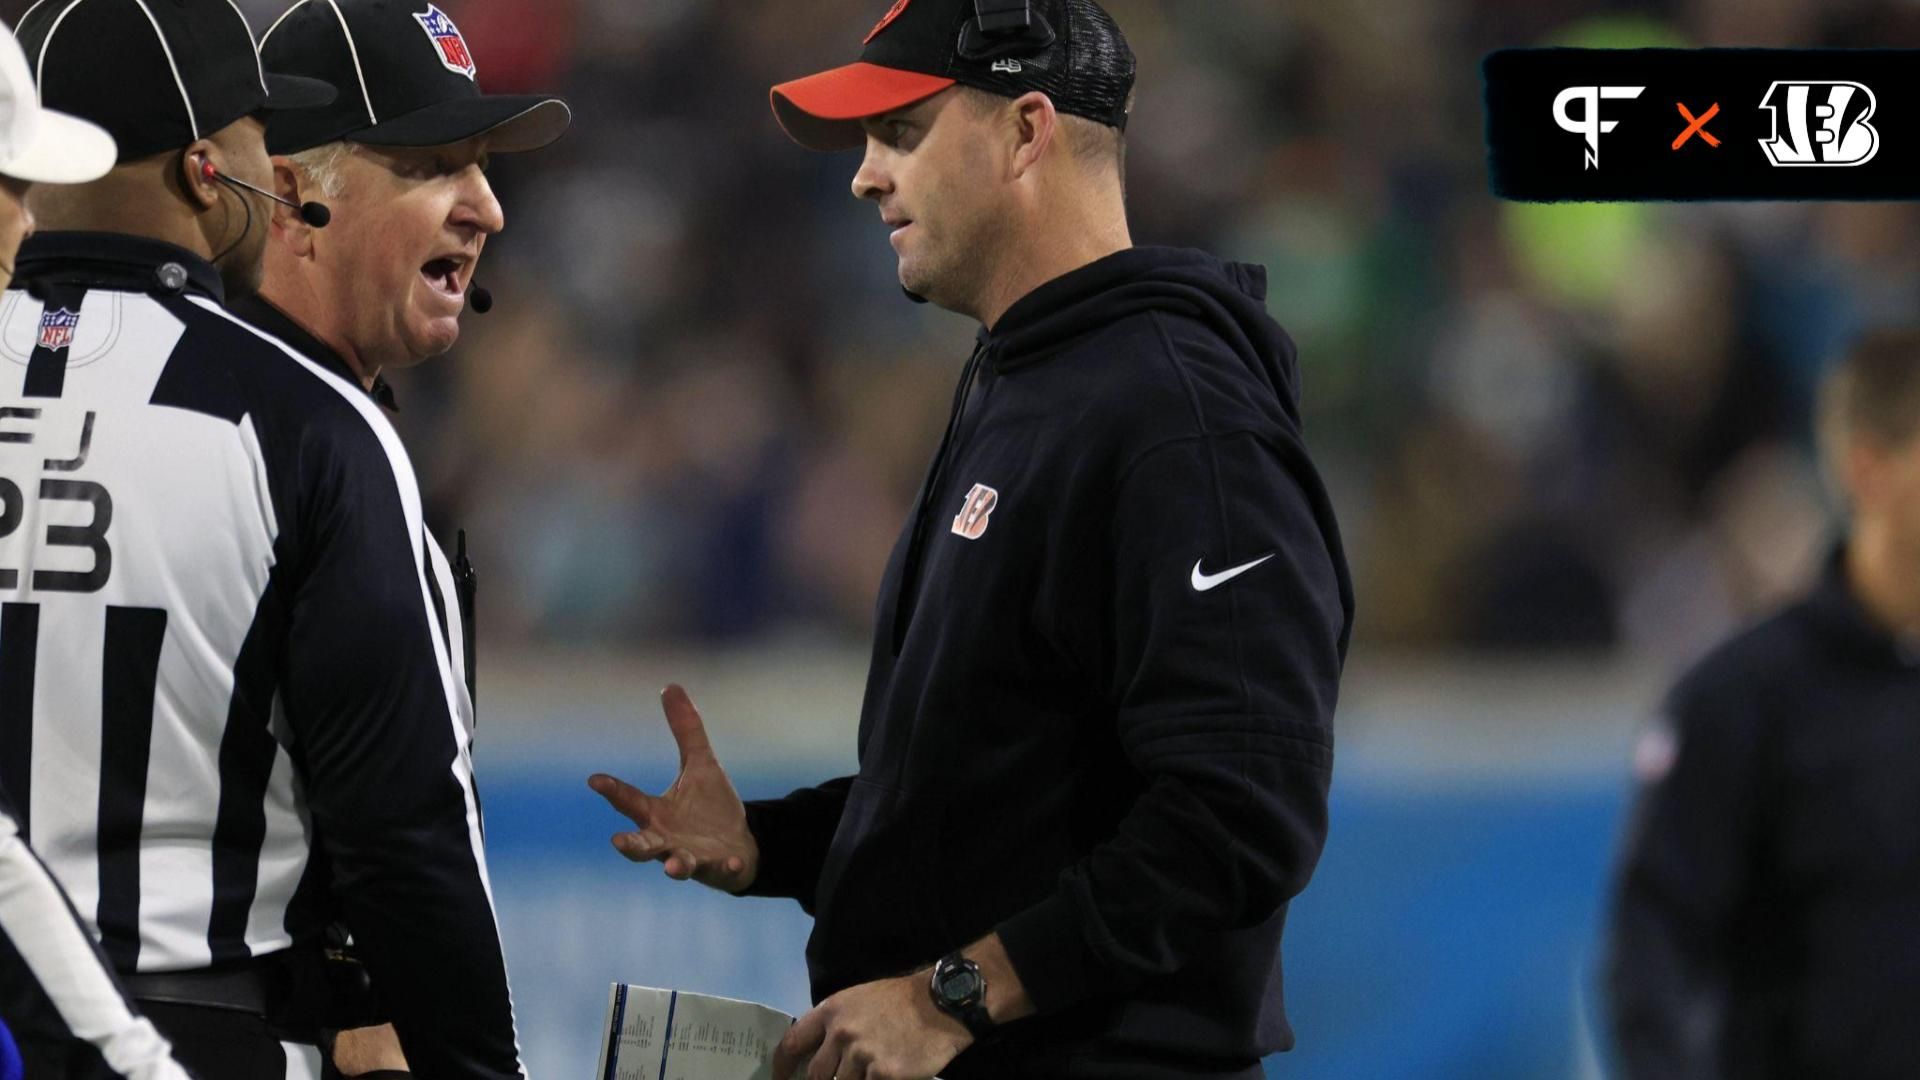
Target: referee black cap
{"x": 407, "y": 78}
{"x": 157, "y": 74}
{"x": 1071, "y": 50}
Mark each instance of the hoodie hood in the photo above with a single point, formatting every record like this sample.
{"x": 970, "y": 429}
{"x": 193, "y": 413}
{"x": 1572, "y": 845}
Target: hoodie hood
{"x": 1229, "y": 297}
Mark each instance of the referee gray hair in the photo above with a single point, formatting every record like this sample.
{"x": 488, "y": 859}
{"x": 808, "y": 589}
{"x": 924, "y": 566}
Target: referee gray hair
{"x": 321, "y": 166}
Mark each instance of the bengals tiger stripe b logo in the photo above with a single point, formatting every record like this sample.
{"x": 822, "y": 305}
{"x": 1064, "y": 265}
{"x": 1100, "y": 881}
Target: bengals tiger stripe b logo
{"x": 971, "y": 521}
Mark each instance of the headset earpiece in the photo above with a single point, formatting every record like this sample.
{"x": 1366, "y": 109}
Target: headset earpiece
{"x": 313, "y": 213}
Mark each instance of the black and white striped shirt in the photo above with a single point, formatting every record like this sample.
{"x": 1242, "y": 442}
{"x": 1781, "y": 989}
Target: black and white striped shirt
{"x": 232, "y": 698}
{"x": 54, "y": 983}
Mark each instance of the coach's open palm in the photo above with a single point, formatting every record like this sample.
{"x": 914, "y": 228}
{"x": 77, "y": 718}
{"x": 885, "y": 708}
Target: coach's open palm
{"x": 697, "y": 827}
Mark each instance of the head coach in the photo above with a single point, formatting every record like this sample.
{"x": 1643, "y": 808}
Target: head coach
{"x": 1096, "y": 741}
{"x": 232, "y": 700}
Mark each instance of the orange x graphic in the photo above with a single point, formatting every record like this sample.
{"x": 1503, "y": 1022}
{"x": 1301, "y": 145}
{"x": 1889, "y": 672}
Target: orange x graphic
{"x": 1697, "y": 125}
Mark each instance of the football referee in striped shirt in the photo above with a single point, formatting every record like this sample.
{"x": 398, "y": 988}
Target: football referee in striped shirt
{"x": 232, "y": 703}
{"x": 55, "y": 985}
{"x": 400, "y": 159}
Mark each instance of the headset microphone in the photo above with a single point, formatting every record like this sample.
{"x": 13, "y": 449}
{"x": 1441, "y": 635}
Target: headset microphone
{"x": 480, "y": 298}
{"x": 313, "y": 213}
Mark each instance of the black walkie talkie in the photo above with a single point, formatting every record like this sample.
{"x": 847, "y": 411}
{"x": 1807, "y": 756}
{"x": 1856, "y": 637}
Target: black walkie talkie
{"x": 464, "y": 586}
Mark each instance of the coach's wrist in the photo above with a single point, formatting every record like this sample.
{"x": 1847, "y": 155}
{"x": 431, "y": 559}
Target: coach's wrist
{"x": 1007, "y": 998}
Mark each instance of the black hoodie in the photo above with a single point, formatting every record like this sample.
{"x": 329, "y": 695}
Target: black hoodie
{"x": 1099, "y": 716}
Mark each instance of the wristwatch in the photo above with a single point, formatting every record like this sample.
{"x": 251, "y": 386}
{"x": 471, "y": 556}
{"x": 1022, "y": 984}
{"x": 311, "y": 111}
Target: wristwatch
{"x": 960, "y": 991}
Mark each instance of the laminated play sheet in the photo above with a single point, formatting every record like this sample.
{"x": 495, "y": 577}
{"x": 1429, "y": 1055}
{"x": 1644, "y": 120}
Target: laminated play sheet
{"x": 653, "y": 1034}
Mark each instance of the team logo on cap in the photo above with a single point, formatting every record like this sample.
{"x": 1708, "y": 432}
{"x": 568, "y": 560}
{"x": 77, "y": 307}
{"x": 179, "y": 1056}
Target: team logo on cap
{"x": 56, "y": 328}
{"x": 894, "y": 12}
{"x": 446, "y": 38}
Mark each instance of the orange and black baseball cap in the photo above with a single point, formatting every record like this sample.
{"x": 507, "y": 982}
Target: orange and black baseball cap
{"x": 1071, "y": 50}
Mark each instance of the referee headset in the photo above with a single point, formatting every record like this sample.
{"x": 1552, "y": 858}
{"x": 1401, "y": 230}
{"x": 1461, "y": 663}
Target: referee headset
{"x": 1000, "y": 29}
{"x": 317, "y": 215}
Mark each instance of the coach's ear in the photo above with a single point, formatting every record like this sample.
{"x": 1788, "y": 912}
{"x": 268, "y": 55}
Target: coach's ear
{"x": 201, "y": 190}
{"x": 1035, "y": 125}
{"x": 289, "y": 227}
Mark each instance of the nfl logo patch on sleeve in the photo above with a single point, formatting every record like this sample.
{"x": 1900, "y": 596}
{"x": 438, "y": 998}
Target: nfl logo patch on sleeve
{"x": 446, "y": 39}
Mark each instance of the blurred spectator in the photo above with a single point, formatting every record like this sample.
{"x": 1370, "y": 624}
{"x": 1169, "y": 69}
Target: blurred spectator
{"x": 1768, "y": 905}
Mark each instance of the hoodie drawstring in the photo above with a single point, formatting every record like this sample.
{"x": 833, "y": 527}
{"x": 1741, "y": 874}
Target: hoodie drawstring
{"x": 910, "y": 568}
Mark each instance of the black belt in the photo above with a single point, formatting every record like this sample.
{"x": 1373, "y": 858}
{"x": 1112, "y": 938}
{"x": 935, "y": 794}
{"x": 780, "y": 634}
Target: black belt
{"x": 248, "y": 989}
{"x": 287, "y": 989}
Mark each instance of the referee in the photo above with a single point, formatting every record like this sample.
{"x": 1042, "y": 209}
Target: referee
{"x": 1766, "y": 920}
{"x": 1096, "y": 742}
{"x": 232, "y": 708}
{"x": 55, "y": 985}
{"x": 399, "y": 158}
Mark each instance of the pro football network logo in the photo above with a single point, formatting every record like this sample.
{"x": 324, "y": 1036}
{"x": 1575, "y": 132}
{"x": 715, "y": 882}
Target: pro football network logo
{"x": 1826, "y": 124}
{"x": 446, "y": 38}
{"x": 894, "y": 12}
{"x": 1588, "y": 124}
{"x": 56, "y": 328}
{"x": 971, "y": 521}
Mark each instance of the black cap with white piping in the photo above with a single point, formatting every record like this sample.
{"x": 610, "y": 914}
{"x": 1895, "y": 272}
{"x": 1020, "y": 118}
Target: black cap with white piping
{"x": 406, "y": 78}
{"x": 180, "y": 69}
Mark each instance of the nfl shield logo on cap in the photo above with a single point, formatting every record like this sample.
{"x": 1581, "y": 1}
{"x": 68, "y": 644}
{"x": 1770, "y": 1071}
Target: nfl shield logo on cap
{"x": 446, "y": 38}
{"x": 56, "y": 328}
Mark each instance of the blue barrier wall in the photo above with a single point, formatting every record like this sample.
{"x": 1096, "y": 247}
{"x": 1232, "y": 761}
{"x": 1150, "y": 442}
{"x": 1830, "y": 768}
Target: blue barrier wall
{"x": 1449, "y": 932}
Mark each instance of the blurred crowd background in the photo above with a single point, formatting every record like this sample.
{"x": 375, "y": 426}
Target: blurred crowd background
{"x": 1569, "y": 447}
{"x": 702, "y": 408}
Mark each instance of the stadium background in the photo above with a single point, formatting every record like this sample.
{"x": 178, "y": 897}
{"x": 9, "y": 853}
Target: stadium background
{"x": 1568, "y": 446}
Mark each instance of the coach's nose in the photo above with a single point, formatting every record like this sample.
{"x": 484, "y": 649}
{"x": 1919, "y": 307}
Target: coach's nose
{"x": 872, "y": 181}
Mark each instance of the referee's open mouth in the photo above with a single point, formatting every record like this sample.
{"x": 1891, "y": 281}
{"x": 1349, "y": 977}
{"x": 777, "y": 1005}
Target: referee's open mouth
{"x": 447, "y": 274}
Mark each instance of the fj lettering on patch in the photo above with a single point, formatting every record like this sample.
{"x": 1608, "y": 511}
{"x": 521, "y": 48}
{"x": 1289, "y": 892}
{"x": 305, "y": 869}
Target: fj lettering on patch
{"x": 56, "y": 328}
{"x": 971, "y": 521}
{"x": 447, "y": 39}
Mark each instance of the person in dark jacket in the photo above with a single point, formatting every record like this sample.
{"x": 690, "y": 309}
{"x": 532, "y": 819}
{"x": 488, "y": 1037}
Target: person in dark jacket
{"x": 1766, "y": 921}
{"x": 1096, "y": 742}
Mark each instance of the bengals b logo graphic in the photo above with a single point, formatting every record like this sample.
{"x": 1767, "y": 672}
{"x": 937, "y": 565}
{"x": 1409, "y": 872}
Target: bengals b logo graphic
{"x": 1820, "y": 123}
{"x": 971, "y": 522}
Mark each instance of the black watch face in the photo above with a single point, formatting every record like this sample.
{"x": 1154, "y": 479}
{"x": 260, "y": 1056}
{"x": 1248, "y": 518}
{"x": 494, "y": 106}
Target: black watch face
{"x": 959, "y": 985}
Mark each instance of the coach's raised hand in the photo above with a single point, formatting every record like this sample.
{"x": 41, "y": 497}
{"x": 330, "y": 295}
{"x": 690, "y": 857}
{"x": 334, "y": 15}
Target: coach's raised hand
{"x": 697, "y": 827}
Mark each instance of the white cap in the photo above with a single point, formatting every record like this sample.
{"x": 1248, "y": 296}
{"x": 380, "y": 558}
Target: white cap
{"x": 39, "y": 144}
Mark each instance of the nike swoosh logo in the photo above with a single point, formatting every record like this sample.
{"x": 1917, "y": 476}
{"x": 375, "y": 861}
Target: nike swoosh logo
{"x": 1203, "y": 582}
